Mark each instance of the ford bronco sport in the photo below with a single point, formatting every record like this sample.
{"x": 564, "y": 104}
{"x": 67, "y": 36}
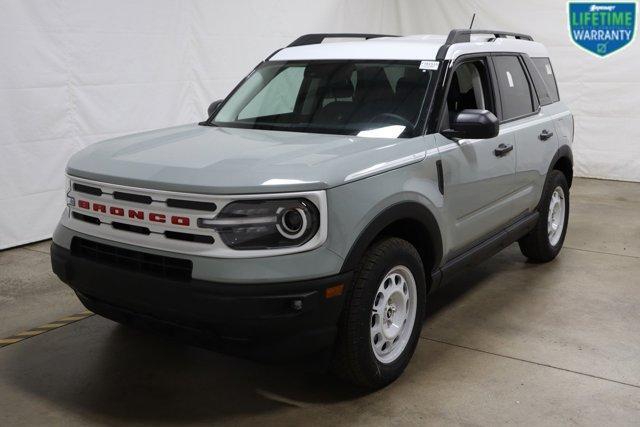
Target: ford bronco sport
{"x": 324, "y": 199}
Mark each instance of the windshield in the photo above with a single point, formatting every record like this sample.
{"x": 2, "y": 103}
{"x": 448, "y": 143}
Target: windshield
{"x": 364, "y": 98}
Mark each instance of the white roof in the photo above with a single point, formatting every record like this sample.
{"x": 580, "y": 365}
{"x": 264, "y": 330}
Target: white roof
{"x": 418, "y": 47}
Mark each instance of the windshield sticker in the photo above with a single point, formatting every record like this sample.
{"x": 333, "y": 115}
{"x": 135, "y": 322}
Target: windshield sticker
{"x": 429, "y": 65}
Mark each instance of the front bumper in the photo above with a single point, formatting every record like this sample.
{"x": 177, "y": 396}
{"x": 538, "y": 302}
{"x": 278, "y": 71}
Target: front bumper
{"x": 276, "y": 320}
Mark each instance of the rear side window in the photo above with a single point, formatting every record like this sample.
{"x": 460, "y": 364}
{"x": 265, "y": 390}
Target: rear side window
{"x": 515, "y": 92}
{"x": 544, "y": 95}
{"x": 544, "y": 68}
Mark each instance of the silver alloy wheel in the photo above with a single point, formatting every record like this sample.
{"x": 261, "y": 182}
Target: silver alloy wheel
{"x": 393, "y": 314}
{"x": 555, "y": 220}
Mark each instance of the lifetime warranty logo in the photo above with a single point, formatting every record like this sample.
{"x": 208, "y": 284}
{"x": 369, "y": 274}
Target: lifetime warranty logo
{"x": 602, "y": 28}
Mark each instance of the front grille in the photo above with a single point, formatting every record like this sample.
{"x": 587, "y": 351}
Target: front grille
{"x": 138, "y": 198}
{"x": 189, "y": 237}
{"x": 81, "y": 188}
{"x": 166, "y": 220}
{"x": 86, "y": 218}
{"x": 140, "y": 262}
{"x": 191, "y": 204}
{"x": 130, "y": 227}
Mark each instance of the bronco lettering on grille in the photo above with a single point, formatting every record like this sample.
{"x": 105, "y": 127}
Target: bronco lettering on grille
{"x": 134, "y": 214}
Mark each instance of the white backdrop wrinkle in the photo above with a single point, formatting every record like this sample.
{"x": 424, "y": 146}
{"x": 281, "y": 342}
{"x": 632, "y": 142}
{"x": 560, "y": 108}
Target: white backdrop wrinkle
{"x": 74, "y": 72}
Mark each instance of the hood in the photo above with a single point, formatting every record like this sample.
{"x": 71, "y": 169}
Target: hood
{"x": 213, "y": 160}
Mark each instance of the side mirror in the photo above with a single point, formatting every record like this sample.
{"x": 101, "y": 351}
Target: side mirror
{"x": 213, "y": 107}
{"x": 473, "y": 124}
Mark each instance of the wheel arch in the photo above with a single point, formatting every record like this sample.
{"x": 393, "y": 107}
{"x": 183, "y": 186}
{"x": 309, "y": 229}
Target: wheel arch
{"x": 563, "y": 162}
{"x": 411, "y": 221}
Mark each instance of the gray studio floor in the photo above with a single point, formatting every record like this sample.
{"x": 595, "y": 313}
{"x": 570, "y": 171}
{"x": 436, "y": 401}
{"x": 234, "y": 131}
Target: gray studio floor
{"x": 509, "y": 342}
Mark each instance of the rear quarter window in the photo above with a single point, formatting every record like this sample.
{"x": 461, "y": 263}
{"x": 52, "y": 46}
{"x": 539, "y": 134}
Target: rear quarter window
{"x": 545, "y": 69}
{"x": 543, "y": 92}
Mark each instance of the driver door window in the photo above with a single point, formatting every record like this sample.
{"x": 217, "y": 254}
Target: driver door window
{"x": 469, "y": 89}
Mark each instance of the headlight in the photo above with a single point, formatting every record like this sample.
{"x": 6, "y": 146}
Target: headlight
{"x": 265, "y": 224}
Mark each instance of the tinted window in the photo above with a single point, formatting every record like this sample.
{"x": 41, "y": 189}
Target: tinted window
{"x": 469, "y": 89}
{"x": 544, "y": 95}
{"x": 544, "y": 68}
{"x": 515, "y": 93}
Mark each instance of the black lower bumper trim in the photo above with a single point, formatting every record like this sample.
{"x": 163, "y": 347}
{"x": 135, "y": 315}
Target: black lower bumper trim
{"x": 275, "y": 320}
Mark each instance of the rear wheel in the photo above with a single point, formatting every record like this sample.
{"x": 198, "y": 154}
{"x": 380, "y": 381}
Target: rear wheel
{"x": 544, "y": 242}
{"x": 381, "y": 323}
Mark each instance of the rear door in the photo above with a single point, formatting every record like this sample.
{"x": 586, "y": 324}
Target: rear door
{"x": 478, "y": 180}
{"x": 530, "y": 123}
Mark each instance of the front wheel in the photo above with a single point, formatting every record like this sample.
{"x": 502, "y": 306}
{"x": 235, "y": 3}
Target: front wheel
{"x": 381, "y": 323}
{"x": 544, "y": 242}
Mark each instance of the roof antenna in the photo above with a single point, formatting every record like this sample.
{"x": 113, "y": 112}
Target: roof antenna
{"x": 473, "y": 18}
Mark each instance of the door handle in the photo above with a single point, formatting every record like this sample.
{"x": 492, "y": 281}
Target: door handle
{"x": 502, "y": 150}
{"x": 544, "y": 135}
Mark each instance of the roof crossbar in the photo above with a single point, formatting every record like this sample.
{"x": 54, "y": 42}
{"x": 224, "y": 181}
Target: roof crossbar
{"x": 464, "y": 36}
{"x": 318, "y": 38}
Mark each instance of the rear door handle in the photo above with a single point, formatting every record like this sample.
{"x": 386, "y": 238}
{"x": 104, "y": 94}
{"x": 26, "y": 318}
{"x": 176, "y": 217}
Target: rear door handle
{"x": 544, "y": 135}
{"x": 502, "y": 150}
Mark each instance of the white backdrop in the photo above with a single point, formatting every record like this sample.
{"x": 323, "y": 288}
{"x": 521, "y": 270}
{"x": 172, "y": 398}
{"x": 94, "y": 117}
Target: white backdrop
{"x": 73, "y": 72}
{"x": 76, "y": 72}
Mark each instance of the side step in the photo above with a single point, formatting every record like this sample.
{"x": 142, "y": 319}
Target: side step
{"x": 484, "y": 249}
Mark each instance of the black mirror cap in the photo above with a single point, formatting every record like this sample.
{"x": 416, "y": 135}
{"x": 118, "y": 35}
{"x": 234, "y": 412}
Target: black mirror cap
{"x": 473, "y": 124}
{"x": 213, "y": 107}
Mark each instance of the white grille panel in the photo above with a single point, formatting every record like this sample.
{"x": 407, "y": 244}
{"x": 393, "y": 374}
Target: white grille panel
{"x": 159, "y": 218}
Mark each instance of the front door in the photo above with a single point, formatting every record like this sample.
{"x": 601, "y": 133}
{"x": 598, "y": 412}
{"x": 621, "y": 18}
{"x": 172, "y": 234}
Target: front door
{"x": 479, "y": 174}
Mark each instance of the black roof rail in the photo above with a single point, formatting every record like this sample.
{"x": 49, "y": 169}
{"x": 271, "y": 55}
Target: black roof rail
{"x": 464, "y": 36}
{"x": 318, "y": 38}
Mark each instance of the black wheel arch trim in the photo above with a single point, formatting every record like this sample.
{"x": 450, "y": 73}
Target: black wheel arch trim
{"x": 396, "y": 212}
{"x": 563, "y": 152}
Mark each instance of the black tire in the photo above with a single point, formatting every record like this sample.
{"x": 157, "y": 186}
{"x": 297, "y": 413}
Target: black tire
{"x": 354, "y": 359}
{"x": 536, "y": 245}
